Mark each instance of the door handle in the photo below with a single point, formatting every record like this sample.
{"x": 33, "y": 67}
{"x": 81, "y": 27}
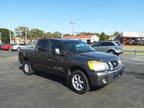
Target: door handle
{"x": 51, "y": 58}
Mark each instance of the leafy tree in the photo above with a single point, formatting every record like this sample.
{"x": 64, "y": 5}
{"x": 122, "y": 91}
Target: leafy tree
{"x": 5, "y": 35}
{"x": 48, "y": 35}
{"x": 117, "y": 36}
{"x": 36, "y": 33}
{"x": 57, "y": 34}
{"x": 103, "y": 37}
{"x": 22, "y": 31}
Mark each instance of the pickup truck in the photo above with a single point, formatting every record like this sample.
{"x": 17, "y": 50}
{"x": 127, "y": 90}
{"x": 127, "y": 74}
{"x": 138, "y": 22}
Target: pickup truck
{"x": 81, "y": 65}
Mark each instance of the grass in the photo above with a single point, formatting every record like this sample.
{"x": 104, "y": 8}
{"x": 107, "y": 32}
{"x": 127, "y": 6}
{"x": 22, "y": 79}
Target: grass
{"x": 134, "y": 49}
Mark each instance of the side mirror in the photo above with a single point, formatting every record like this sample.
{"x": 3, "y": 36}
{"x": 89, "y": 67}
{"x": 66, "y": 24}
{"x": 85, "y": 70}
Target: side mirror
{"x": 57, "y": 51}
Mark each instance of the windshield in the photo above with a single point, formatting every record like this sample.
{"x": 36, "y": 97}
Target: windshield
{"x": 118, "y": 43}
{"x": 78, "y": 47}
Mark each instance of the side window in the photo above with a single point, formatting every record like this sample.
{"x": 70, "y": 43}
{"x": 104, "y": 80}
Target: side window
{"x": 56, "y": 44}
{"x": 102, "y": 44}
{"x": 42, "y": 46}
{"x": 110, "y": 44}
{"x": 96, "y": 44}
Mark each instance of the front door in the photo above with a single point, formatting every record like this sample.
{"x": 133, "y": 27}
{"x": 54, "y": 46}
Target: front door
{"x": 57, "y": 62}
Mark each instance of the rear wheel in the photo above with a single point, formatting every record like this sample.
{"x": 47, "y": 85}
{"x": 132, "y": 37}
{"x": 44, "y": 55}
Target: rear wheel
{"x": 79, "y": 82}
{"x": 27, "y": 68}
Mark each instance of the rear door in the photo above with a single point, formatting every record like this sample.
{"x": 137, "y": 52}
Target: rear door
{"x": 102, "y": 47}
{"x": 40, "y": 59}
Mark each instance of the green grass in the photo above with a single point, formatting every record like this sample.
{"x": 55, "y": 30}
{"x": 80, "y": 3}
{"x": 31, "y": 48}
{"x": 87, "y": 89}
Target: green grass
{"x": 132, "y": 48}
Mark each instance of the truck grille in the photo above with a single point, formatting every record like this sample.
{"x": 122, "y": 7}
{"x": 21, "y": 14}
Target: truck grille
{"x": 113, "y": 65}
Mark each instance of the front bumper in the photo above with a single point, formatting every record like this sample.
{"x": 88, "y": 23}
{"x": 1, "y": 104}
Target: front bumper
{"x": 119, "y": 51}
{"x": 103, "y": 78}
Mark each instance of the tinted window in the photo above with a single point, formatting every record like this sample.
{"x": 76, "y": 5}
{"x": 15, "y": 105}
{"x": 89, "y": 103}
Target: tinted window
{"x": 56, "y": 44}
{"x": 118, "y": 43}
{"x": 110, "y": 44}
{"x": 42, "y": 45}
{"x": 106, "y": 44}
{"x": 103, "y": 44}
{"x": 96, "y": 44}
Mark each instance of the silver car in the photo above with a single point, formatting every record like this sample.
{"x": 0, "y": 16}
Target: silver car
{"x": 24, "y": 46}
{"x": 113, "y": 47}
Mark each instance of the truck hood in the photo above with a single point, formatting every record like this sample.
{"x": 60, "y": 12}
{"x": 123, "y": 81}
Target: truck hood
{"x": 100, "y": 56}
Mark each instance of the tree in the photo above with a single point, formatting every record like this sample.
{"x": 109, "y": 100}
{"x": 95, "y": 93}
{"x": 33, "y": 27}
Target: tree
{"x": 48, "y": 35}
{"x": 117, "y": 36}
{"x": 103, "y": 37}
{"x": 57, "y": 34}
{"x": 5, "y": 35}
{"x": 36, "y": 33}
{"x": 67, "y": 34}
{"x": 22, "y": 31}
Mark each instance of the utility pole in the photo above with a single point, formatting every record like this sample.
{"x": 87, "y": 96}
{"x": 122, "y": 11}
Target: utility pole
{"x": 72, "y": 27}
{"x": 0, "y": 37}
{"x": 26, "y": 34}
{"x": 10, "y": 36}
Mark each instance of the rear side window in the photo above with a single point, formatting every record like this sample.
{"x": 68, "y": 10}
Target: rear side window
{"x": 103, "y": 44}
{"x": 110, "y": 44}
{"x": 42, "y": 45}
{"x": 106, "y": 44}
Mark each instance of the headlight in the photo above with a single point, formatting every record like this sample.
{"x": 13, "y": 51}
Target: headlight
{"x": 97, "y": 66}
{"x": 119, "y": 61}
{"x": 117, "y": 47}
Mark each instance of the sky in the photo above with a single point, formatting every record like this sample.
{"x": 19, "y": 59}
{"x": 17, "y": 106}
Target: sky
{"x": 88, "y": 15}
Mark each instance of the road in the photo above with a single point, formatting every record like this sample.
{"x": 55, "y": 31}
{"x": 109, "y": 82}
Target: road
{"x": 43, "y": 90}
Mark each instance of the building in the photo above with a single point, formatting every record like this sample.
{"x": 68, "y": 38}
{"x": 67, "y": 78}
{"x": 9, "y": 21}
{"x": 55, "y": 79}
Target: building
{"x": 132, "y": 38}
{"x": 85, "y": 38}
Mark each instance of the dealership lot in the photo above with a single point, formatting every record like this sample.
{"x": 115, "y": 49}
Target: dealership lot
{"x": 43, "y": 90}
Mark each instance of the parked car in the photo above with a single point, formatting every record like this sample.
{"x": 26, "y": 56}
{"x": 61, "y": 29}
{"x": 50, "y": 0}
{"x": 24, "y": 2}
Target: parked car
{"x": 76, "y": 61}
{"x": 17, "y": 47}
{"x": 113, "y": 47}
{"x": 1, "y": 45}
{"x": 6, "y": 47}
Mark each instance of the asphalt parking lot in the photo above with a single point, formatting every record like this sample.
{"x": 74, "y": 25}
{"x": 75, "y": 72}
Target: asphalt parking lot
{"x": 42, "y": 90}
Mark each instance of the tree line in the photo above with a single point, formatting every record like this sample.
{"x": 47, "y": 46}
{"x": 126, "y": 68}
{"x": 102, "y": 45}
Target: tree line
{"x": 35, "y": 33}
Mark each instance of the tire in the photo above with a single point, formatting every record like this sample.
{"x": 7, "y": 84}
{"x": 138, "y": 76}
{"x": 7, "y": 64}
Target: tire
{"x": 18, "y": 49}
{"x": 111, "y": 52}
{"x": 79, "y": 82}
{"x": 27, "y": 68}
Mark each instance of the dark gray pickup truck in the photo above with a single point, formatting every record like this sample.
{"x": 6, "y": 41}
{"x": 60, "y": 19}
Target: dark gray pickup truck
{"x": 76, "y": 61}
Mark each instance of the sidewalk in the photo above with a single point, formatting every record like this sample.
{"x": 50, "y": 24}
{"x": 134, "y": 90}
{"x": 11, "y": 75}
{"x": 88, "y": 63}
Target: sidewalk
{"x": 135, "y": 58}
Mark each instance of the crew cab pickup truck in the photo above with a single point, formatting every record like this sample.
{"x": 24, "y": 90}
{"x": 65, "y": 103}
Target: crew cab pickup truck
{"x": 75, "y": 60}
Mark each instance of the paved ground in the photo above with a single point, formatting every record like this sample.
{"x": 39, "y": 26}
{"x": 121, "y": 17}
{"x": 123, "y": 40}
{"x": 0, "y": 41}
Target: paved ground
{"x": 46, "y": 91}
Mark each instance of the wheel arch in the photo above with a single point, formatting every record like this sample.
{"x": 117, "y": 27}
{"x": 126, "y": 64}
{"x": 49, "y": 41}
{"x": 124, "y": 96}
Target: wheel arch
{"x": 74, "y": 68}
{"x": 111, "y": 50}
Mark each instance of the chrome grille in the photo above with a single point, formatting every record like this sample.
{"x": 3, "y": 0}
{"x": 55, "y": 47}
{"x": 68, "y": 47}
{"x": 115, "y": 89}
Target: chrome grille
{"x": 113, "y": 65}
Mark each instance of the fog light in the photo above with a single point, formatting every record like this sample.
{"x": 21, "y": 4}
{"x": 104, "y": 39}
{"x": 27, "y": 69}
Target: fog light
{"x": 104, "y": 81}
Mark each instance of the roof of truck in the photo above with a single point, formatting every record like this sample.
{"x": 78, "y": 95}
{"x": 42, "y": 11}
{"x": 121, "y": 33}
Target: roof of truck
{"x": 60, "y": 39}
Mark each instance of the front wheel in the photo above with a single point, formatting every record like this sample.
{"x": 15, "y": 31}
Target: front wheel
{"x": 18, "y": 49}
{"x": 79, "y": 82}
{"x": 111, "y": 52}
{"x": 27, "y": 68}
